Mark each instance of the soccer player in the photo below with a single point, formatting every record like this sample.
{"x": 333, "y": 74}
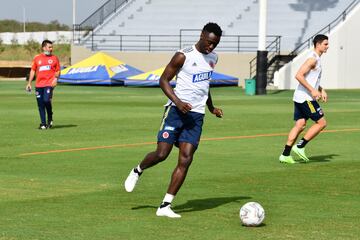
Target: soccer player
{"x": 46, "y": 67}
{"x": 184, "y": 112}
{"x": 305, "y": 98}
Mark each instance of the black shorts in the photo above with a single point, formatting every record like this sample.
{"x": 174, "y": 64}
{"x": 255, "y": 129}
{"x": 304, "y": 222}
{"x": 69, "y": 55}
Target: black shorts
{"x": 308, "y": 109}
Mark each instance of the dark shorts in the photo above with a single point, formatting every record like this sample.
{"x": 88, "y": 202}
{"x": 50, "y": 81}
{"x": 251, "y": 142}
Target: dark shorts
{"x": 44, "y": 93}
{"x": 178, "y": 127}
{"x": 308, "y": 109}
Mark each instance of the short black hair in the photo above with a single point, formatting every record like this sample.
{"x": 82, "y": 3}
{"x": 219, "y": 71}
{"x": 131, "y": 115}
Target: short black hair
{"x": 212, "y": 28}
{"x": 45, "y": 42}
{"x": 319, "y": 39}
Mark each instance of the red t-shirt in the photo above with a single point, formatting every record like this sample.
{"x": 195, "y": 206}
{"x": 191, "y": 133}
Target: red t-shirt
{"x": 45, "y": 68}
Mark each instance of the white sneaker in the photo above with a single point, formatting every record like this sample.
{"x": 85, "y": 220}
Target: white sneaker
{"x": 131, "y": 181}
{"x": 167, "y": 212}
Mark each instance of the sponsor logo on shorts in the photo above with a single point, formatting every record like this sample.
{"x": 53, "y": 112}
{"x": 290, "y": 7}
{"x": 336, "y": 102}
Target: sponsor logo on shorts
{"x": 165, "y": 135}
{"x": 169, "y": 128}
{"x": 320, "y": 111}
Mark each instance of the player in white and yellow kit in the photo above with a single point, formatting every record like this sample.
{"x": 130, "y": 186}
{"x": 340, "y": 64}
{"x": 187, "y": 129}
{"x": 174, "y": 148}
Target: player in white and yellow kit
{"x": 184, "y": 112}
{"x": 306, "y": 95}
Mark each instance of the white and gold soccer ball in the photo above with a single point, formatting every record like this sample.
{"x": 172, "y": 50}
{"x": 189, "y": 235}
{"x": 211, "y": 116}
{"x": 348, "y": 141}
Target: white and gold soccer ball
{"x": 252, "y": 214}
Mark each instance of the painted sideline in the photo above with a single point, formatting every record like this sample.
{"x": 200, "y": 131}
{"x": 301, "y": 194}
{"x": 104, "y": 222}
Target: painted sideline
{"x": 202, "y": 139}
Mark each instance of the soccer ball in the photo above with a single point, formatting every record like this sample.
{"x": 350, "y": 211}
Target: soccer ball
{"x": 252, "y": 214}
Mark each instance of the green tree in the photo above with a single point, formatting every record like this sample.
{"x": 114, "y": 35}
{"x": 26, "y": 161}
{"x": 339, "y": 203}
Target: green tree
{"x": 32, "y": 47}
{"x": 2, "y": 47}
{"x": 15, "y": 26}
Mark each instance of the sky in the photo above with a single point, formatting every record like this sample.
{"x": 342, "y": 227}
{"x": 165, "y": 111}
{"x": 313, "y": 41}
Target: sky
{"x": 48, "y": 10}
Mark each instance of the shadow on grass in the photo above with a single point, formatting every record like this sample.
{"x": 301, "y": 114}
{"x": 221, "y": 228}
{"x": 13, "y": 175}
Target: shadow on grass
{"x": 64, "y": 126}
{"x": 261, "y": 225}
{"x": 321, "y": 158}
{"x": 200, "y": 204}
{"x": 276, "y": 91}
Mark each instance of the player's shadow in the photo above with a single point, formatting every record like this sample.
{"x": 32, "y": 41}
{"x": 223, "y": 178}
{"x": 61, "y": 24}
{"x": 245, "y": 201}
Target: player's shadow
{"x": 322, "y": 158}
{"x": 201, "y": 204}
{"x": 206, "y": 203}
{"x": 64, "y": 126}
{"x": 277, "y": 91}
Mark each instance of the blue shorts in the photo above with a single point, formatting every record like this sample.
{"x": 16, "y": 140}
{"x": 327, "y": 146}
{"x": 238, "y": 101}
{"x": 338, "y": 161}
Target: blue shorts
{"x": 178, "y": 127}
{"x": 308, "y": 109}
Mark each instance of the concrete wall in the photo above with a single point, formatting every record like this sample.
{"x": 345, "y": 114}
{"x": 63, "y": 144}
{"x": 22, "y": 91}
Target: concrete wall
{"x": 340, "y": 63}
{"x": 23, "y": 37}
{"x": 235, "y": 64}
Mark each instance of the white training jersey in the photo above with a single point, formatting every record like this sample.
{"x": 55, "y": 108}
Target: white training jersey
{"x": 193, "y": 79}
{"x": 301, "y": 94}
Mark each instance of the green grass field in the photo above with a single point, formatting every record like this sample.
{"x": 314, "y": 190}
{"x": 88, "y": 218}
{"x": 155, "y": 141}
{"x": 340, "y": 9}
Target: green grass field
{"x": 79, "y": 194}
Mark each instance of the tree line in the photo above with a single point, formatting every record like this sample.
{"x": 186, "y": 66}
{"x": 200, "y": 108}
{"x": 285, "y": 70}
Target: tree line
{"x": 16, "y": 26}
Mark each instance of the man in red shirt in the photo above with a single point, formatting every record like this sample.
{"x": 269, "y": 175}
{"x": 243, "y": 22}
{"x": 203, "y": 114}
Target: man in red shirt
{"x": 46, "y": 67}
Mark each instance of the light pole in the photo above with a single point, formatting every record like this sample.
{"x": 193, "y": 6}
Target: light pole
{"x": 24, "y": 19}
{"x": 74, "y": 19}
{"x": 261, "y": 61}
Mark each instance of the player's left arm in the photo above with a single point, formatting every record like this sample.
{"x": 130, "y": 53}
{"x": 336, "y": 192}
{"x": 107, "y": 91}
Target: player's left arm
{"x": 57, "y": 73}
{"x": 214, "y": 110}
{"x": 324, "y": 96}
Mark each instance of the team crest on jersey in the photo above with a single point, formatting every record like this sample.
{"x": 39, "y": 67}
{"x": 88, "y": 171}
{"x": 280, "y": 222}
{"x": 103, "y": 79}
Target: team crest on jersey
{"x": 165, "y": 135}
{"x": 202, "y": 76}
{"x": 50, "y": 61}
{"x": 212, "y": 64}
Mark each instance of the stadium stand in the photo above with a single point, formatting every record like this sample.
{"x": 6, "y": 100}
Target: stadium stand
{"x": 165, "y": 26}
{"x": 293, "y": 20}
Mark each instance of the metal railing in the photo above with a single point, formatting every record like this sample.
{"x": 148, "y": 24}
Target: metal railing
{"x": 101, "y": 14}
{"x": 228, "y": 43}
{"x": 97, "y": 18}
{"x": 273, "y": 50}
{"x": 308, "y": 43}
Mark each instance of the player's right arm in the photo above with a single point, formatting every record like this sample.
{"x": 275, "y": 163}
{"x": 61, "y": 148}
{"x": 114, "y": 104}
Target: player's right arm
{"x": 32, "y": 75}
{"x": 303, "y": 71}
{"x": 169, "y": 73}
{"x": 31, "y": 78}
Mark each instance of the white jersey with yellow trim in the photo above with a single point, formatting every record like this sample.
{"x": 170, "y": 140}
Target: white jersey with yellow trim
{"x": 193, "y": 79}
{"x": 301, "y": 94}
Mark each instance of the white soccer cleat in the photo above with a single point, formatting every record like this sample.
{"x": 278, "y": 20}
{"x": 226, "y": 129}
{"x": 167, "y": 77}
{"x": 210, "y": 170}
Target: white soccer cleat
{"x": 131, "y": 181}
{"x": 167, "y": 212}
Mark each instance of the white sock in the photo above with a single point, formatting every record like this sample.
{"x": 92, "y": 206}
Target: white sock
{"x": 168, "y": 198}
{"x": 139, "y": 169}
